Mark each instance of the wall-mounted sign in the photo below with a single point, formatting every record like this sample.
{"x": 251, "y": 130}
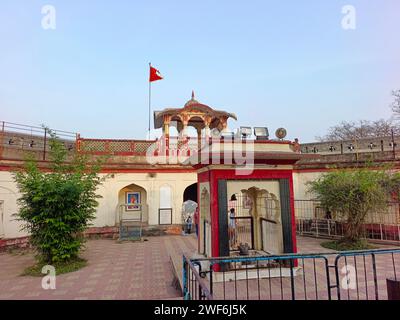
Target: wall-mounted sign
{"x": 165, "y": 216}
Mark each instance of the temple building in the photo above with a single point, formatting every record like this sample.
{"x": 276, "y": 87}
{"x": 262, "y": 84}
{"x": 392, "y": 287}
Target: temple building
{"x": 246, "y": 189}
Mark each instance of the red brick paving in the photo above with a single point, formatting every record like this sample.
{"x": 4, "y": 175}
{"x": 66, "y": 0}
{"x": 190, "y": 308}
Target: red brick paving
{"x": 128, "y": 270}
{"x": 142, "y": 270}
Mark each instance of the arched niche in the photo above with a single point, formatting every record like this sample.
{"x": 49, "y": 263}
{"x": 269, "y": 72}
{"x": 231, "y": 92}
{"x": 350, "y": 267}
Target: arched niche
{"x": 132, "y": 202}
{"x": 166, "y": 196}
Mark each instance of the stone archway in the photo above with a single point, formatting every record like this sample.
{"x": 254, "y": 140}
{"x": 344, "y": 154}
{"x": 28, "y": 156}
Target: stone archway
{"x": 265, "y": 210}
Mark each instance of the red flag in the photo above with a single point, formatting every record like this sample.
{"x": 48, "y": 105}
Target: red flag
{"x": 154, "y": 75}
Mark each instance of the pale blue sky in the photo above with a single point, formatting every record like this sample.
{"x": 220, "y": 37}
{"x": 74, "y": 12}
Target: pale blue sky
{"x": 274, "y": 63}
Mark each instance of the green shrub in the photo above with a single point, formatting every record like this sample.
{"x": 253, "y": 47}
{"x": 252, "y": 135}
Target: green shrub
{"x": 56, "y": 206}
{"x": 352, "y": 194}
{"x": 61, "y": 267}
{"x": 344, "y": 245}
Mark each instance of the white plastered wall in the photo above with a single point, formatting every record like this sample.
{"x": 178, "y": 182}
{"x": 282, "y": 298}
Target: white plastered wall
{"x": 106, "y": 214}
{"x": 9, "y": 228}
{"x": 300, "y": 180}
{"x": 112, "y": 197}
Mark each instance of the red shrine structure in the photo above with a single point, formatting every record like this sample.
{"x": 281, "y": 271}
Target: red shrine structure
{"x": 245, "y": 192}
{"x": 244, "y": 187}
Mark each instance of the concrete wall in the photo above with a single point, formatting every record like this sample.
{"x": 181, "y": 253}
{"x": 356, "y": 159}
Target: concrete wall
{"x": 300, "y": 180}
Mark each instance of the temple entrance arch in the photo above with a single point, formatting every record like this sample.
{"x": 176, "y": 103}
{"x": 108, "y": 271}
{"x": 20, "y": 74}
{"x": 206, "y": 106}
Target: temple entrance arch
{"x": 189, "y": 205}
{"x": 190, "y": 193}
{"x": 256, "y": 219}
{"x": 132, "y": 204}
{"x": 263, "y": 214}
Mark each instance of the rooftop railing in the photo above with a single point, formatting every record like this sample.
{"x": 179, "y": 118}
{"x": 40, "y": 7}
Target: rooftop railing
{"x": 15, "y": 137}
{"x": 361, "y": 145}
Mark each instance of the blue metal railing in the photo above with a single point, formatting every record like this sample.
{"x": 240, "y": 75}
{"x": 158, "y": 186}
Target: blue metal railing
{"x": 297, "y": 276}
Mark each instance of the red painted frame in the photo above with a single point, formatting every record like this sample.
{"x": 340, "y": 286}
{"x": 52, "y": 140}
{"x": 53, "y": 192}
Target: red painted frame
{"x": 213, "y": 175}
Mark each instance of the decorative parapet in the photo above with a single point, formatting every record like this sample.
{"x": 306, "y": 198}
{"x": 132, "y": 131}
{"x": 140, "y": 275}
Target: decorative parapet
{"x": 364, "y": 145}
{"x": 134, "y": 147}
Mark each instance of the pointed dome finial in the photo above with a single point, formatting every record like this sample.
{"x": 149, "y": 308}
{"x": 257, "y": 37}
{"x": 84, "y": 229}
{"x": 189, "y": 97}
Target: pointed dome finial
{"x": 191, "y": 101}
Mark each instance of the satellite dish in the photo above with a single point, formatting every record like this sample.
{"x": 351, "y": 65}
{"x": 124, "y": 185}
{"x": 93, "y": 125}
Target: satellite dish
{"x": 215, "y": 133}
{"x": 280, "y": 133}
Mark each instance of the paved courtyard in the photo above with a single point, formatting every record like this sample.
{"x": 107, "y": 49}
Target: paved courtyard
{"x": 129, "y": 270}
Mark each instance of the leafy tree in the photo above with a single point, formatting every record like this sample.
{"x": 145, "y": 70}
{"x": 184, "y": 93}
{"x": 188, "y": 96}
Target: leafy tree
{"x": 352, "y": 194}
{"x": 56, "y": 206}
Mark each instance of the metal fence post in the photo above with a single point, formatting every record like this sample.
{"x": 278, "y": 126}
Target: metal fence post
{"x": 184, "y": 280}
{"x": 211, "y": 279}
{"x": 398, "y": 231}
{"x": 252, "y": 233}
{"x": 44, "y": 143}
{"x": 292, "y": 279}
{"x": 375, "y": 276}
{"x": 337, "y": 276}
{"x": 329, "y": 227}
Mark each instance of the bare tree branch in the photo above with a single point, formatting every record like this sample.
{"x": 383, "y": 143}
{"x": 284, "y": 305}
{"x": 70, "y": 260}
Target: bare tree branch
{"x": 396, "y": 103}
{"x": 361, "y": 129}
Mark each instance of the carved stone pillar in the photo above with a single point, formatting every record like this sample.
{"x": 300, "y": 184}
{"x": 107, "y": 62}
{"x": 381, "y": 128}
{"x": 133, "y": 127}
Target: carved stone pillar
{"x": 207, "y": 132}
{"x": 198, "y": 138}
{"x": 165, "y": 130}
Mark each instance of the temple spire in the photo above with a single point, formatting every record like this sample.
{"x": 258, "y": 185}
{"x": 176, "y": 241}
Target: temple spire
{"x": 192, "y": 94}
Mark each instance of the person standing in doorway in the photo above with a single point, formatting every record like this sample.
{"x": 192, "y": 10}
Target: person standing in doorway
{"x": 196, "y": 220}
{"x": 232, "y": 226}
{"x": 189, "y": 224}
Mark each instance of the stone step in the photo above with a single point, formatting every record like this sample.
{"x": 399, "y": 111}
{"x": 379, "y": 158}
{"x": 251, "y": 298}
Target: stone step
{"x": 130, "y": 233}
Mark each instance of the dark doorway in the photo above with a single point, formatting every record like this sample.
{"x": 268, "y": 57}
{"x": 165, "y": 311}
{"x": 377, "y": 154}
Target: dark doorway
{"x": 190, "y": 193}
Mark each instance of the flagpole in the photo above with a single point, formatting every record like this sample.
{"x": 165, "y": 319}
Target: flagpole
{"x": 149, "y": 100}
